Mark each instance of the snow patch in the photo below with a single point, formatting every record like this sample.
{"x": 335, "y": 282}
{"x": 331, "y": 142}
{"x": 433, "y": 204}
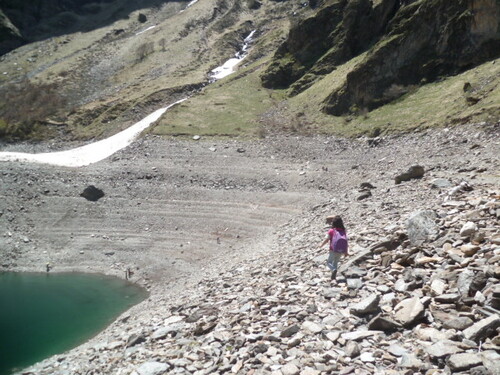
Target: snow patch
{"x": 91, "y": 153}
{"x": 143, "y": 31}
{"x": 228, "y": 67}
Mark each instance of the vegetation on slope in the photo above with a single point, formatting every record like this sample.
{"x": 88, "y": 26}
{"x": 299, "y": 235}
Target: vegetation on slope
{"x": 309, "y": 70}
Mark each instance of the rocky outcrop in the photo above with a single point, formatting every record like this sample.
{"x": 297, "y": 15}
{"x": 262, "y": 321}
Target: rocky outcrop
{"x": 10, "y": 37}
{"x": 335, "y": 34}
{"x": 408, "y": 43}
{"x": 425, "y": 40}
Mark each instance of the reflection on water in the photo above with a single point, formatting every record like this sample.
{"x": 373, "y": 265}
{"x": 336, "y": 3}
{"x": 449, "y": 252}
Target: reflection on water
{"x": 46, "y": 314}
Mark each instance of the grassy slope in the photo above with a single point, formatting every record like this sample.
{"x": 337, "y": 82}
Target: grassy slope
{"x": 235, "y": 105}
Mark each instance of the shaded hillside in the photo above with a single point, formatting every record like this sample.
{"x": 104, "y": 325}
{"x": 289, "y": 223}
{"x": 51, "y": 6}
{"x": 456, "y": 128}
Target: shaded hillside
{"x": 25, "y": 21}
{"x": 407, "y": 45}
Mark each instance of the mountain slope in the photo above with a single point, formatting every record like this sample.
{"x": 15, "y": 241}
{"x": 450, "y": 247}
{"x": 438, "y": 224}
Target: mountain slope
{"x": 338, "y": 66}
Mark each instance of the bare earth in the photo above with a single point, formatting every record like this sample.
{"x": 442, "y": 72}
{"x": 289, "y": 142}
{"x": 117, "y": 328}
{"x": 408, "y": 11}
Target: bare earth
{"x": 180, "y": 211}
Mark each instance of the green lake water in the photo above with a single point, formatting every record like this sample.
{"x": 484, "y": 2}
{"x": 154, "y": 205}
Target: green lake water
{"x": 46, "y": 314}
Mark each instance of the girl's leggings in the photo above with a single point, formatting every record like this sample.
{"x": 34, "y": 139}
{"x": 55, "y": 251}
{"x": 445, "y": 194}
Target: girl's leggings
{"x": 333, "y": 260}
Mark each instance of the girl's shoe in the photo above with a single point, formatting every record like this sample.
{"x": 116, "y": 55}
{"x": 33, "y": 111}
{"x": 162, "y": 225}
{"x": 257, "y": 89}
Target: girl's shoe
{"x": 334, "y": 275}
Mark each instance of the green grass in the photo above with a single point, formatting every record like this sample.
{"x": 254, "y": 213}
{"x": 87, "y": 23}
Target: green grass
{"x": 230, "y": 107}
{"x": 436, "y": 104}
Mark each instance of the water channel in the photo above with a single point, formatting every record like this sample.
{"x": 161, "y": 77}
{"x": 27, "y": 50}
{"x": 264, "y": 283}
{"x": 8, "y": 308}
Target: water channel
{"x": 45, "y": 314}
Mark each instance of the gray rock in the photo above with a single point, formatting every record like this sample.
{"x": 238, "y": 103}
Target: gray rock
{"x": 330, "y": 292}
{"x": 411, "y": 361}
{"x": 383, "y": 323}
{"x": 438, "y": 287}
{"x": 459, "y": 323}
{"x": 352, "y": 349}
{"x": 397, "y": 350}
{"x": 354, "y": 284}
{"x": 364, "y": 195}
{"x": 482, "y": 329}
{"x": 91, "y": 193}
{"x": 359, "y": 335}
{"x": 442, "y": 349}
{"x": 421, "y": 227}
{"x": 415, "y": 171}
{"x": 464, "y": 361}
{"x": 290, "y": 331}
{"x": 400, "y": 286}
{"x": 152, "y": 368}
{"x": 447, "y": 298}
{"x": 290, "y": 369}
{"x": 468, "y": 229}
{"x": 440, "y": 183}
{"x": 134, "y": 339}
{"x": 491, "y": 361}
{"x": 367, "y": 306}
{"x": 409, "y": 311}
{"x": 354, "y": 272}
{"x": 312, "y": 327}
{"x": 367, "y": 357}
{"x": 464, "y": 282}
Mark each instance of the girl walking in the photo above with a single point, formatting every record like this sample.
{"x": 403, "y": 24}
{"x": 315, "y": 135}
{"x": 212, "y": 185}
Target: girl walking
{"x": 337, "y": 238}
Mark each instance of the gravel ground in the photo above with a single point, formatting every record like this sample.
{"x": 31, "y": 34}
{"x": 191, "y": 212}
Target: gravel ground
{"x": 178, "y": 211}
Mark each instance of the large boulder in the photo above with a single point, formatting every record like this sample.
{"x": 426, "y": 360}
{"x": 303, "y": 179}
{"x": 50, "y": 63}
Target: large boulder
{"x": 92, "y": 193}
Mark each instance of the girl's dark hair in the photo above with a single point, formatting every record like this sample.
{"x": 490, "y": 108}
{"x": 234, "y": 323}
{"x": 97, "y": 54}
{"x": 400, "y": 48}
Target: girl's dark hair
{"x": 337, "y": 222}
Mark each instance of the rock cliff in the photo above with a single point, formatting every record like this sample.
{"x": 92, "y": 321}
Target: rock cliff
{"x": 406, "y": 43}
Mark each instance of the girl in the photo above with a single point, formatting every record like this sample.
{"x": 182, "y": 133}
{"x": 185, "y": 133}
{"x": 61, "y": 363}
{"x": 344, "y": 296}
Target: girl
{"x": 338, "y": 243}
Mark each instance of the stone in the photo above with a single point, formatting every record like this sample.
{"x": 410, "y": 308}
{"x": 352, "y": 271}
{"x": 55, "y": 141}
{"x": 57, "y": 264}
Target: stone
{"x": 152, "y": 368}
{"x": 447, "y": 298}
{"x": 290, "y": 369}
{"x": 421, "y": 227}
{"x": 440, "y": 183}
{"x": 354, "y": 272}
{"x": 330, "y": 292}
{"x": 442, "y": 349}
{"x": 438, "y": 287}
{"x": 367, "y": 357}
{"x": 409, "y": 311}
{"x": 468, "y": 229}
{"x": 482, "y": 329}
{"x": 309, "y": 371}
{"x": 359, "y": 335}
{"x": 141, "y": 17}
{"x": 464, "y": 361}
{"x": 290, "y": 331}
{"x": 383, "y": 323}
{"x": 367, "y": 306}
{"x": 364, "y": 195}
{"x": 397, "y": 350}
{"x": 469, "y": 249}
{"x": 134, "y": 339}
{"x": 312, "y": 327}
{"x": 459, "y": 323}
{"x": 410, "y": 361}
{"x": 354, "y": 284}
{"x": 91, "y": 193}
{"x": 400, "y": 286}
{"x": 491, "y": 361}
{"x": 352, "y": 349}
{"x": 415, "y": 171}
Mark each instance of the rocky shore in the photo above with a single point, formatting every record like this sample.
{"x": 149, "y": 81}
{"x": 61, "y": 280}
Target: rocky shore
{"x": 419, "y": 294}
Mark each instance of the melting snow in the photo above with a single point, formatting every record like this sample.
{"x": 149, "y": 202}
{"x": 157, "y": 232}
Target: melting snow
{"x": 143, "y": 31}
{"x": 228, "y": 67}
{"x": 90, "y": 153}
